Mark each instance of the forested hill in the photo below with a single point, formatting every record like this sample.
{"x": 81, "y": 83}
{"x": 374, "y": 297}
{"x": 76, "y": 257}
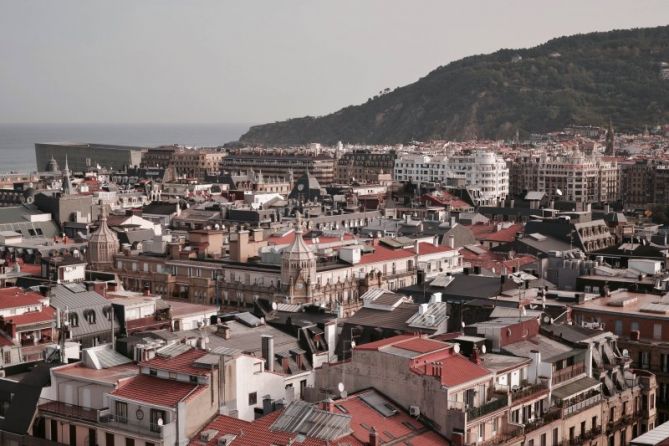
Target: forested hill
{"x": 581, "y": 79}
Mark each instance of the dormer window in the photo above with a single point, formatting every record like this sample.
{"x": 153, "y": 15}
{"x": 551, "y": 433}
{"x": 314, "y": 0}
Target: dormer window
{"x": 107, "y": 312}
{"x": 74, "y": 319}
{"x": 89, "y": 315}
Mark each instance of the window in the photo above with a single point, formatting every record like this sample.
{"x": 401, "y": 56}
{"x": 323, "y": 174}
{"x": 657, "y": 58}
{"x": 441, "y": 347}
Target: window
{"x": 482, "y": 431}
{"x": 644, "y": 359}
{"x": 92, "y": 440}
{"x": 657, "y": 331}
{"x": 634, "y": 326}
{"x": 543, "y": 439}
{"x": 74, "y": 319}
{"x": 619, "y": 327}
{"x": 495, "y": 425}
{"x": 157, "y": 420}
{"x": 73, "y": 435}
{"x": 89, "y": 315}
{"x": 253, "y": 398}
{"x": 555, "y": 436}
{"x": 121, "y": 412}
{"x": 153, "y": 372}
{"x": 109, "y": 439}
{"x": 8, "y": 357}
{"x": 129, "y": 442}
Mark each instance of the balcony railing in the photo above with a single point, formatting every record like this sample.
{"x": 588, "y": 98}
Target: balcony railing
{"x": 489, "y": 407}
{"x": 570, "y": 409}
{"x": 560, "y": 376}
{"x": 70, "y": 411}
{"x": 527, "y": 391}
{"x": 165, "y": 431}
{"x": 553, "y": 414}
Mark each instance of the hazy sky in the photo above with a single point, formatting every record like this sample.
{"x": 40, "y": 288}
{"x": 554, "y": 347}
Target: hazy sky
{"x": 243, "y": 61}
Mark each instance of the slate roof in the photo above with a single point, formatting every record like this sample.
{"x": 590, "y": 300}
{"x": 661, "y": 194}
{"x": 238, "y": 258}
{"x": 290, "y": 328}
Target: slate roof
{"x": 392, "y": 320}
{"x": 74, "y": 298}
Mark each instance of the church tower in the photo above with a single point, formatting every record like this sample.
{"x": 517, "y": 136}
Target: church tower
{"x": 102, "y": 245}
{"x": 298, "y": 268}
{"x": 610, "y": 150}
{"x": 67, "y": 183}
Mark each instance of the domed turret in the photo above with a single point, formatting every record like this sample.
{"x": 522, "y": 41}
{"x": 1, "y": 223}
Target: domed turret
{"x": 298, "y": 267}
{"x": 102, "y": 245}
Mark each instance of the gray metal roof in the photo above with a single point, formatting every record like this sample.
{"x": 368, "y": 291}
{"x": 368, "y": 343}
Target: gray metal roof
{"x": 575, "y": 387}
{"x": 303, "y": 418}
{"x": 63, "y": 298}
{"x": 433, "y": 317}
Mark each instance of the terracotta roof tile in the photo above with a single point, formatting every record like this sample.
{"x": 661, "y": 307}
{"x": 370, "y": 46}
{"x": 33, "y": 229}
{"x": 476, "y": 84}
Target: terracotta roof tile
{"x": 33, "y": 317}
{"x": 15, "y": 297}
{"x": 179, "y": 364}
{"x": 158, "y": 391}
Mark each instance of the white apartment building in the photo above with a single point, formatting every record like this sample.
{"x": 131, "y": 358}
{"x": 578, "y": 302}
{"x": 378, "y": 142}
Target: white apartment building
{"x": 484, "y": 173}
{"x": 573, "y": 176}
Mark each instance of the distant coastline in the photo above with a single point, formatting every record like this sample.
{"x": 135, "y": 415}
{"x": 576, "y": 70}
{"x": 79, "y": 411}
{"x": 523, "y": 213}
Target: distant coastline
{"x": 17, "y": 150}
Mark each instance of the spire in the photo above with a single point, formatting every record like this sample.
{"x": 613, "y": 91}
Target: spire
{"x": 67, "y": 185}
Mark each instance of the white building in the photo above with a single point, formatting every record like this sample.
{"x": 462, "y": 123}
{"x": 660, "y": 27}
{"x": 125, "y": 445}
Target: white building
{"x": 484, "y": 173}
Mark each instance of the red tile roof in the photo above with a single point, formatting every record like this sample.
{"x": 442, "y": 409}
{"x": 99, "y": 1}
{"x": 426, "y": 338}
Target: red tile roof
{"x": 490, "y": 233}
{"x": 33, "y": 317}
{"x": 491, "y": 260}
{"x": 158, "y": 391}
{"x": 15, "y": 297}
{"x": 179, "y": 364}
{"x": 394, "y": 428}
{"x": 376, "y": 345}
{"x": 382, "y": 253}
{"x": 456, "y": 370}
{"x": 257, "y": 433}
{"x": 422, "y": 345}
{"x": 397, "y": 425}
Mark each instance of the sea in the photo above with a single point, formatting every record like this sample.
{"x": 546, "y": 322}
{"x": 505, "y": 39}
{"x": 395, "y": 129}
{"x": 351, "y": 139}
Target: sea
{"x": 17, "y": 141}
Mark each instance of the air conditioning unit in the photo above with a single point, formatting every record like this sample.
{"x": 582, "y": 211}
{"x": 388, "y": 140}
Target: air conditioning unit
{"x": 208, "y": 435}
{"x": 414, "y": 411}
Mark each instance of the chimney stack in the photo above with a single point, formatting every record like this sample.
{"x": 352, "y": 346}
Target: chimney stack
{"x": 373, "y": 437}
{"x": 268, "y": 352}
{"x": 224, "y": 330}
{"x": 451, "y": 241}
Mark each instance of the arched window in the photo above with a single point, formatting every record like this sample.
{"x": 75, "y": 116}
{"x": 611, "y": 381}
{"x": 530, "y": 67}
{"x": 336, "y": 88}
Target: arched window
{"x": 89, "y": 315}
{"x": 74, "y": 319}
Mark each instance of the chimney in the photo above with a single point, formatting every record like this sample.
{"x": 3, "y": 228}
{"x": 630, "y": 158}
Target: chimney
{"x": 224, "y": 331}
{"x": 373, "y": 437}
{"x": 475, "y": 357}
{"x": 258, "y": 235}
{"x": 451, "y": 241}
{"x": 328, "y": 405}
{"x": 268, "y": 351}
{"x": 435, "y": 240}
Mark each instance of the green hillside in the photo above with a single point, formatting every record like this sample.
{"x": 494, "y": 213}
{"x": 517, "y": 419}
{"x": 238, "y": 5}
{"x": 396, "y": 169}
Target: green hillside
{"x": 581, "y": 79}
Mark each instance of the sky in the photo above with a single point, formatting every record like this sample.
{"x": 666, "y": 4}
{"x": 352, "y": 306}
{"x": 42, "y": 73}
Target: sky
{"x": 253, "y": 61}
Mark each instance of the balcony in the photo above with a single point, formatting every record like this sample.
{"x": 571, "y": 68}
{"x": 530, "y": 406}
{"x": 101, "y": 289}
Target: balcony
{"x": 70, "y": 411}
{"x": 489, "y": 407}
{"x": 571, "y": 407}
{"x": 164, "y": 432}
{"x": 527, "y": 391}
{"x": 500, "y": 438}
{"x": 560, "y": 376}
{"x": 553, "y": 414}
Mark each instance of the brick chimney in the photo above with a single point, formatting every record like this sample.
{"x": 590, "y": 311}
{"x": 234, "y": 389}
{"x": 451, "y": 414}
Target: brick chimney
{"x": 373, "y": 437}
{"x": 475, "y": 357}
{"x": 328, "y": 405}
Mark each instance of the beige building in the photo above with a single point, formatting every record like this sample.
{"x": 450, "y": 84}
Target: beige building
{"x": 197, "y": 163}
{"x": 572, "y": 177}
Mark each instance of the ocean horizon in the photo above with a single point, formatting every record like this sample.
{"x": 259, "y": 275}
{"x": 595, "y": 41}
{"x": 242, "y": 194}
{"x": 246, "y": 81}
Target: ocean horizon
{"x": 17, "y": 141}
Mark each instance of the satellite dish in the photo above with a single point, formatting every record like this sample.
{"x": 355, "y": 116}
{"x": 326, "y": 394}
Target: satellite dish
{"x": 274, "y": 306}
{"x": 340, "y": 387}
{"x": 463, "y": 324}
{"x": 547, "y": 320}
{"x": 626, "y": 353}
{"x": 352, "y": 344}
{"x": 558, "y": 192}
{"x": 344, "y": 394}
{"x": 160, "y": 421}
{"x": 456, "y": 347}
{"x": 483, "y": 349}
